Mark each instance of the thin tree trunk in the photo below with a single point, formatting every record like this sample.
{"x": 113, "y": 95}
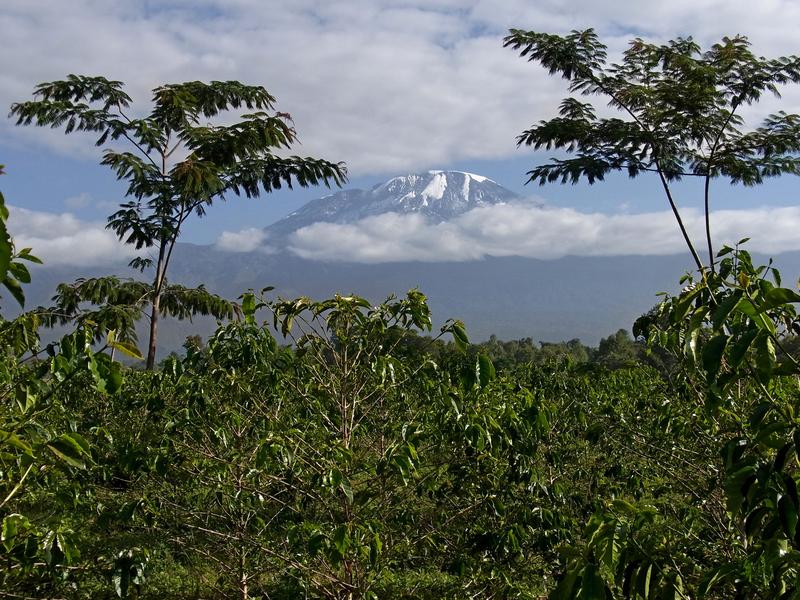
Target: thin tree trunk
{"x": 151, "y": 345}
{"x": 678, "y": 218}
{"x": 157, "y": 284}
{"x": 156, "y": 307}
{"x": 242, "y": 575}
{"x": 708, "y": 226}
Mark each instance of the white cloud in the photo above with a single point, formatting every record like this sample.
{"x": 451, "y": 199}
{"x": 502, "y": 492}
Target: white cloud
{"x": 246, "y": 240}
{"x": 539, "y": 232}
{"x": 82, "y": 200}
{"x": 63, "y": 239}
{"x": 385, "y": 85}
{"x": 85, "y": 200}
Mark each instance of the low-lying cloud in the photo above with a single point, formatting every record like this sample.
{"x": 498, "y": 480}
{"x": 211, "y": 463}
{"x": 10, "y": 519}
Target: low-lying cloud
{"x": 246, "y": 240}
{"x": 63, "y": 239}
{"x": 539, "y": 232}
{"x": 500, "y": 230}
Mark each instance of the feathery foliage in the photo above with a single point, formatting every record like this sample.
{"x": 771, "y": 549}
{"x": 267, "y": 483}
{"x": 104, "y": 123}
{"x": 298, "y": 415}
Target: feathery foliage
{"x": 679, "y": 113}
{"x": 177, "y": 163}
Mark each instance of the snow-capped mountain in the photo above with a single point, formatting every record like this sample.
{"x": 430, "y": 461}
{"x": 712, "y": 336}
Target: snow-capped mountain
{"x": 438, "y": 195}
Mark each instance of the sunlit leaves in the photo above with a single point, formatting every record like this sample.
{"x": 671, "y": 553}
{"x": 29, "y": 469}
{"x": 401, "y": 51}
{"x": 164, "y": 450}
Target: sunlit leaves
{"x": 124, "y": 346}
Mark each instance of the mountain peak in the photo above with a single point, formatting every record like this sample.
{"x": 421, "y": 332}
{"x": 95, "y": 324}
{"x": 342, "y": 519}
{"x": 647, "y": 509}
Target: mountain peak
{"x": 436, "y": 195}
{"x": 478, "y": 178}
{"x": 435, "y": 181}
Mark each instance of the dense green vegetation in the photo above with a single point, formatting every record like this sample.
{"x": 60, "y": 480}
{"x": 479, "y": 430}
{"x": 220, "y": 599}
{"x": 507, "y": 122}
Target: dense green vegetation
{"x": 334, "y": 449}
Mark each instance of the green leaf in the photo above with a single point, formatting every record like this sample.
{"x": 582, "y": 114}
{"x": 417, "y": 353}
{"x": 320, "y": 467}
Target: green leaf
{"x": 249, "y": 307}
{"x": 735, "y": 495}
{"x": 25, "y": 254}
{"x": 711, "y": 579}
{"x": 485, "y": 370}
{"x": 6, "y": 247}
{"x": 20, "y": 272}
{"x": 643, "y": 580}
{"x": 346, "y": 489}
{"x": 796, "y": 439}
{"x": 107, "y": 374}
{"x": 127, "y": 348}
{"x": 12, "y": 439}
{"x": 724, "y": 309}
{"x": 13, "y": 286}
{"x": 67, "y": 546}
{"x": 375, "y": 547}
{"x": 741, "y": 346}
{"x": 592, "y": 587}
{"x": 341, "y": 539}
{"x": 712, "y": 354}
{"x": 459, "y": 336}
{"x": 71, "y": 448}
{"x": 779, "y": 296}
{"x": 565, "y": 590}
{"x": 765, "y": 354}
{"x": 13, "y": 525}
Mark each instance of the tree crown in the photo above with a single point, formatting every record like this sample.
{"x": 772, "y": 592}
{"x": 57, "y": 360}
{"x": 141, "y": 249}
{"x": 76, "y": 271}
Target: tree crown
{"x": 679, "y": 107}
{"x": 218, "y": 158}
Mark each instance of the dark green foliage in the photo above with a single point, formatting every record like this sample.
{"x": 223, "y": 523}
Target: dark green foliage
{"x": 13, "y": 273}
{"x": 351, "y": 465}
{"x": 41, "y": 455}
{"x": 358, "y": 459}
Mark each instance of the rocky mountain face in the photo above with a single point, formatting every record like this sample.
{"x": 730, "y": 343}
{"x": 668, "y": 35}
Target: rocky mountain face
{"x": 437, "y": 195}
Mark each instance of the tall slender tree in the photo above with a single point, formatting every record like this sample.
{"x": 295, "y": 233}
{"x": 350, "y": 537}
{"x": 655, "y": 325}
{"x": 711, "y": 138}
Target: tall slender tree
{"x": 177, "y": 163}
{"x": 678, "y": 114}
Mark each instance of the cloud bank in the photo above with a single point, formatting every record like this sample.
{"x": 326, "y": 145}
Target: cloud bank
{"x": 63, "y": 239}
{"x": 385, "y": 85}
{"x": 539, "y": 232}
{"x": 500, "y": 230}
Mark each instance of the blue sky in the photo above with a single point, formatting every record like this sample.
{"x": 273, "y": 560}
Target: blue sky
{"x": 388, "y": 86}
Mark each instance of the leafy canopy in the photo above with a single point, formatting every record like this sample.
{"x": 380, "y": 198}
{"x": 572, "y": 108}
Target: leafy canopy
{"x": 679, "y": 109}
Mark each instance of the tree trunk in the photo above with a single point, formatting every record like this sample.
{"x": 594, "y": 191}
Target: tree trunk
{"x": 151, "y": 345}
{"x": 242, "y": 576}
{"x": 158, "y": 283}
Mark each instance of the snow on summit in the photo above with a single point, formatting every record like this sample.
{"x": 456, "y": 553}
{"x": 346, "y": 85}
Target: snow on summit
{"x": 435, "y": 195}
{"x": 435, "y": 189}
{"x": 478, "y": 178}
